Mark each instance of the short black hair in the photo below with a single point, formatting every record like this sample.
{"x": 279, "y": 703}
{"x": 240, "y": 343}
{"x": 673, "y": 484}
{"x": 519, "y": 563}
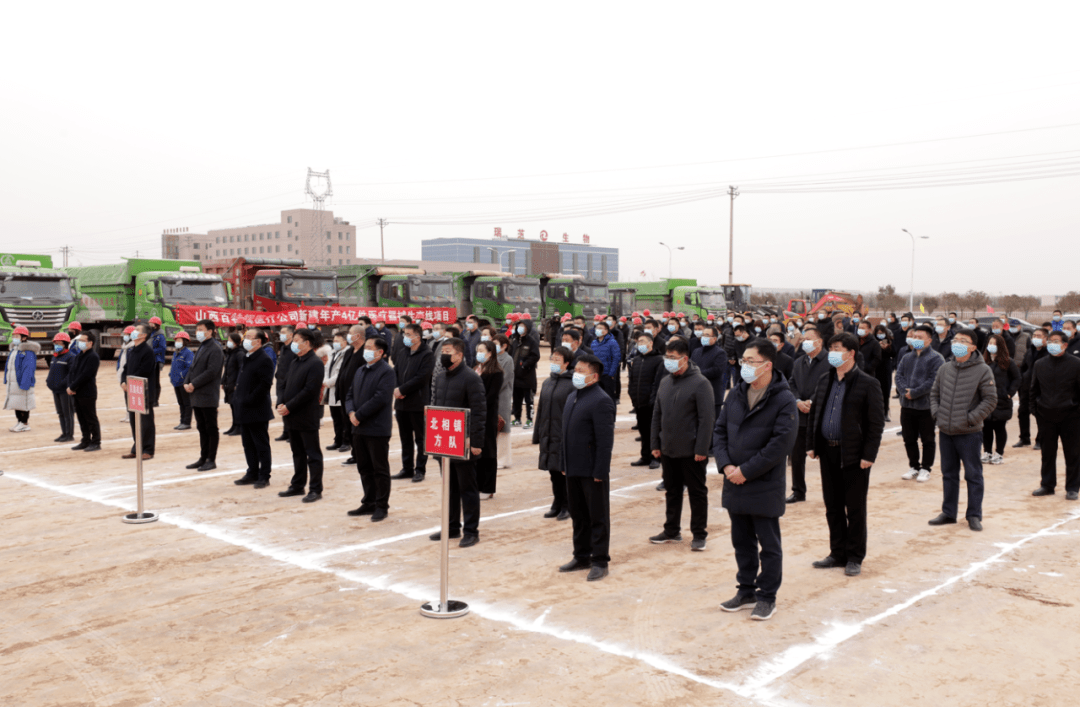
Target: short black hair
{"x": 845, "y": 339}
{"x": 453, "y": 330}
{"x": 1059, "y": 334}
{"x": 712, "y": 329}
{"x": 501, "y": 338}
{"x": 289, "y": 327}
{"x": 307, "y": 335}
{"x": 574, "y": 334}
{"x": 211, "y": 325}
{"x": 405, "y": 318}
{"x": 145, "y": 329}
{"x": 926, "y": 329}
{"x": 592, "y": 362}
{"x": 564, "y": 352}
{"x": 783, "y": 339}
{"x": 90, "y": 336}
{"x": 739, "y": 327}
{"x": 970, "y": 334}
{"x": 652, "y": 321}
{"x": 379, "y": 342}
{"x": 763, "y": 347}
{"x": 644, "y": 335}
{"x": 235, "y": 338}
{"x": 413, "y": 328}
{"x": 454, "y": 342}
{"x": 677, "y": 345}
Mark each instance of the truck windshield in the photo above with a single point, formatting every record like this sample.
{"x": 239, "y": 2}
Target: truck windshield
{"x": 310, "y": 287}
{"x": 194, "y": 292}
{"x": 590, "y": 293}
{"x": 26, "y": 290}
{"x": 712, "y": 300}
{"x": 429, "y": 291}
{"x": 521, "y": 293}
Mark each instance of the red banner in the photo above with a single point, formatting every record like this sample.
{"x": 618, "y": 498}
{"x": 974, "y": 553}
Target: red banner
{"x": 189, "y": 315}
{"x": 446, "y": 432}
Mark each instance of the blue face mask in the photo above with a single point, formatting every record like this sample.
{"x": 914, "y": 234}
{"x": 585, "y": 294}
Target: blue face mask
{"x": 836, "y": 359}
{"x": 481, "y": 357}
{"x": 642, "y": 349}
{"x": 248, "y": 344}
{"x": 579, "y": 380}
{"x": 485, "y": 337}
{"x": 58, "y": 348}
{"x": 671, "y": 365}
{"x": 407, "y": 340}
{"x": 699, "y": 332}
{"x": 757, "y": 330}
{"x": 672, "y": 328}
{"x": 127, "y": 338}
{"x": 1053, "y": 348}
{"x": 83, "y": 345}
{"x": 914, "y": 344}
{"x": 283, "y": 338}
{"x": 706, "y": 341}
{"x": 881, "y": 337}
{"x": 959, "y": 350}
{"x": 200, "y": 336}
{"x": 905, "y": 325}
{"x": 470, "y": 325}
{"x": 556, "y": 369}
{"x": 854, "y": 320}
{"x": 748, "y": 373}
{"x": 991, "y": 349}
{"x": 337, "y": 346}
{"x": 295, "y": 348}
{"x": 1037, "y": 343}
{"x": 178, "y": 344}
{"x": 808, "y": 346}
{"x": 369, "y": 355}
{"x": 939, "y": 328}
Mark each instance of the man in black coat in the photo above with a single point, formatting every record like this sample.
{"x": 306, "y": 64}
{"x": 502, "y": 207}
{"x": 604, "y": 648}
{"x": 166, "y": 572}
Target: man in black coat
{"x": 1055, "y": 394}
{"x": 646, "y": 370}
{"x": 369, "y": 405}
{"x": 203, "y": 385}
{"x": 458, "y": 386}
{"x": 300, "y": 408}
{"x": 711, "y": 358}
{"x": 753, "y": 436}
{"x": 808, "y": 369}
{"x": 844, "y": 431}
{"x": 82, "y": 387}
{"x": 525, "y": 348}
{"x": 351, "y": 361}
{"x": 251, "y": 405}
{"x": 588, "y": 435}
{"x": 413, "y": 366}
{"x": 548, "y": 429}
{"x": 1035, "y": 352}
{"x": 142, "y": 363}
{"x": 869, "y": 348}
{"x": 281, "y": 376}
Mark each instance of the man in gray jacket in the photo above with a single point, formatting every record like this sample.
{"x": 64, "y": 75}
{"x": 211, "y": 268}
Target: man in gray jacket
{"x": 963, "y": 395}
{"x": 915, "y": 374}
{"x": 682, "y": 425}
{"x": 203, "y": 384}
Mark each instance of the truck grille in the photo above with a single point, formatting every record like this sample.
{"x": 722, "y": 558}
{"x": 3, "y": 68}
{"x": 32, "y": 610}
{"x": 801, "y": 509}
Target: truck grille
{"x": 36, "y": 319}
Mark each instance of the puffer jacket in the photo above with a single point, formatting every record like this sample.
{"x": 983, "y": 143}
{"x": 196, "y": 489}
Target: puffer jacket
{"x": 684, "y": 415}
{"x": 181, "y": 364}
{"x": 607, "y": 350}
{"x": 963, "y": 396}
{"x": 1007, "y": 382}
{"x": 645, "y": 374}
{"x": 526, "y": 355}
{"x": 916, "y": 372}
{"x": 547, "y": 432}
{"x": 20, "y": 378}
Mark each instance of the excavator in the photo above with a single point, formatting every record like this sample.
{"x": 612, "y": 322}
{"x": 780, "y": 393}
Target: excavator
{"x": 828, "y": 301}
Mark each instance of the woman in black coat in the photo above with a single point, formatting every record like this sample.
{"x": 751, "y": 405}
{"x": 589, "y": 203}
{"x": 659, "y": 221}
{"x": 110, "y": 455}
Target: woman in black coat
{"x": 1007, "y": 378}
{"x": 548, "y": 429}
{"x": 885, "y": 368}
{"x": 233, "y": 354}
{"x": 491, "y": 376}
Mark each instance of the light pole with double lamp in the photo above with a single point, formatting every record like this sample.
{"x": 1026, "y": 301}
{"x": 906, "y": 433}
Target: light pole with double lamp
{"x": 669, "y": 256}
{"x": 911, "y": 292}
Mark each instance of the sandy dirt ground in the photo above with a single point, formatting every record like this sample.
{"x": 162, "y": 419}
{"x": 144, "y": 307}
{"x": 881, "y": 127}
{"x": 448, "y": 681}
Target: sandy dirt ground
{"x": 238, "y": 597}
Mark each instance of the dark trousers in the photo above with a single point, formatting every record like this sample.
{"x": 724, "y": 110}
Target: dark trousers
{"x": 341, "y": 422}
{"x": 885, "y": 379}
{"x": 279, "y": 391}
{"x": 679, "y": 472}
{"x": 65, "y": 411}
{"x": 590, "y": 511}
{"x": 372, "y": 456}
{"x": 486, "y": 474}
{"x": 149, "y": 430}
{"x": 558, "y": 490}
{"x": 307, "y": 460}
{"x": 844, "y": 489}
{"x": 183, "y": 399}
{"x": 644, "y": 426}
{"x": 1025, "y": 411}
{"x": 748, "y": 534}
{"x": 957, "y": 449}
{"x": 607, "y": 384}
{"x": 916, "y": 426}
{"x": 155, "y": 385}
{"x": 1068, "y": 430}
{"x": 992, "y": 428}
{"x": 522, "y": 395}
{"x": 798, "y": 463}
{"x": 618, "y": 383}
{"x": 410, "y": 426}
{"x": 255, "y": 437}
{"x": 209, "y": 436}
{"x": 86, "y": 411}
{"x": 464, "y": 496}
{"x": 22, "y": 416}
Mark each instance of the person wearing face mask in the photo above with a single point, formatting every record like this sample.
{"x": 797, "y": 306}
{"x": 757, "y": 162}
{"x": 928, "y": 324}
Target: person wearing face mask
{"x": 588, "y": 436}
{"x": 892, "y": 323}
{"x": 284, "y": 364}
{"x": 234, "y": 348}
{"x": 526, "y": 354}
{"x": 370, "y": 407}
{"x": 75, "y": 330}
{"x": 57, "y": 381}
{"x": 506, "y": 399}
{"x": 383, "y": 332}
{"x": 646, "y": 372}
{"x": 885, "y": 368}
{"x": 586, "y": 333}
{"x": 963, "y": 396}
{"x": 1007, "y": 379}
{"x": 251, "y": 407}
{"x": 571, "y": 339}
{"x": 20, "y": 378}
{"x": 1035, "y": 352}
{"x": 458, "y": 386}
{"x": 548, "y": 429}
{"x": 491, "y": 376}
{"x": 808, "y": 369}
{"x": 869, "y": 348}
{"x": 300, "y": 408}
{"x": 142, "y": 363}
{"x": 742, "y": 340}
{"x": 1055, "y": 393}
{"x": 351, "y": 361}
{"x": 413, "y": 368}
{"x": 997, "y": 328}
{"x": 752, "y": 438}
{"x": 606, "y": 348}
{"x": 181, "y": 364}
{"x": 82, "y": 389}
{"x": 1073, "y": 336}
{"x": 403, "y": 321}
{"x": 681, "y": 432}
{"x": 203, "y": 384}
{"x": 694, "y": 342}
{"x": 844, "y": 432}
{"x": 915, "y": 375}
{"x": 471, "y": 335}
{"x": 829, "y": 323}
{"x": 160, "y": 344}
{"x": 330, "y": 379}
{"x": 942, "y": 339}
{"x": 1056, "y": 321}
{"x": 711, "y": 360}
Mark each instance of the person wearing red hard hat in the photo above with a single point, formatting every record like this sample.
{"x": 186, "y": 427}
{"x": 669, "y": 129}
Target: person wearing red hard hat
{"x": 57, "y": 382}
{"x": 160, "y": 347}
{"x": 19, "y": 377}
{"x": 181, "y": 364}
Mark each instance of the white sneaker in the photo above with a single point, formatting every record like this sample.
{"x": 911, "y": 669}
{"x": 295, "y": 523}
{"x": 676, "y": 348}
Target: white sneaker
{"x": 21, "y": 427}
{"x": 924, "y": 475}
{"x": 985, "y": 457}
{"x": 996, "y": 458}
{"x": 911, "y": 474}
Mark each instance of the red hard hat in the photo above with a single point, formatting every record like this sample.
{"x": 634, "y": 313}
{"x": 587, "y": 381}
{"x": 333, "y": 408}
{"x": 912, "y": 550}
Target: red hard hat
{"x": 127, "y": 330}
{"x": 425, "y": 325}
{"x": 622, "y": 319}
{"x": 183, "y": 335}
{"x": 566, "y": 317}
{"x": 62, "y": 337}
{"x": 637, "y": 320}
{"x": 155, "y": 320}
{"x": 526, "y": 315}
{"x": 76, "y": 326}
{"x": 598, "y": 318}
{"x": 21, "y": 330}
{"x": 712, "y": 317}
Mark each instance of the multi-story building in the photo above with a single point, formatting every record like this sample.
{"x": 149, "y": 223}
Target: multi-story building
{"x": 178, "y": 244}
{"x": 527, "y": 257}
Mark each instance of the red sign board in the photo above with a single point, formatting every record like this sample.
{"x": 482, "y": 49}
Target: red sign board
{"x": 136, "y": 394}
{"x": 446, "y": 432}
{"x": 190, "y": 315}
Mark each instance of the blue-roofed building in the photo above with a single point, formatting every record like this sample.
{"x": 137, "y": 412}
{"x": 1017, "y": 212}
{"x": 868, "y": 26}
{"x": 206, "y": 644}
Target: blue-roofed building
{"x": 527, "y": 257}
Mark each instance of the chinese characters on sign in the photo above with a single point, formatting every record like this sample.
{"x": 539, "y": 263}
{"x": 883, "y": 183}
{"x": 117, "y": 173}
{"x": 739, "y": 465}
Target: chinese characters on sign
{"x": 446, "y": 432}
{"x": 543, "y": 235}
{"x": 136, "y": 394}
{"x": 187, "y": 314}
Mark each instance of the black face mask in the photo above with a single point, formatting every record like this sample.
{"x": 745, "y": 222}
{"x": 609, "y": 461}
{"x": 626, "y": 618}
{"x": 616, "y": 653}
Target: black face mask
{"x": 446, "y": 360}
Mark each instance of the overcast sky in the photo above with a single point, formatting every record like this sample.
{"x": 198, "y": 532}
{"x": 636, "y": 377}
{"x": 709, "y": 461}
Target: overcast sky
{"x": 120, "y": 121}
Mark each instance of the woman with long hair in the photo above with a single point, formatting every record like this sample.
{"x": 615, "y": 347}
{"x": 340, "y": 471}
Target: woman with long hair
{"x": 1007, "y": 379}
{"x": 491, "y": 375}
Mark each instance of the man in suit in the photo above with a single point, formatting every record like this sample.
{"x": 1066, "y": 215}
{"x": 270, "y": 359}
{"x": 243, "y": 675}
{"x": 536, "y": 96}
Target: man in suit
{"x": 807, "y": 370}
{"x": 142, "y": 363}
{"x": 300, "y": 408}
{"x": 369, "y": 405}
{"x": 844, "y": 430}
{"x": 588, "y": 435}
{"x": 351, "y": 361}
{"x": 82, "y": 388}
{"x": 203, "y": 386}
{"x": 281, "y": 376}
{"x": 413, "y": 366}
{"x": 251, "y": 408}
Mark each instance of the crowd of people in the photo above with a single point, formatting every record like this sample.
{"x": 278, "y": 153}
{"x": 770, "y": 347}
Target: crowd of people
{"x": 754, "y": 393}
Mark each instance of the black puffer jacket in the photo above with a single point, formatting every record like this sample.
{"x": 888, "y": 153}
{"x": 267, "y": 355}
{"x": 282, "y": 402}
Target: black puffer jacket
{"x": 645, "y": 374}
{"x": 461, "y": 388}
{"x": 526, "y": 355}
{"x": 1007, "y": 382}
{"x": 547, "y": 431}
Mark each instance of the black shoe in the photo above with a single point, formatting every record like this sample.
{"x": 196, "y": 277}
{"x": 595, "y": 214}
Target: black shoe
{"x": 182, "y": 427}
{"x": 654, "y": 464}
{"x": 1042, "y": 491}
{"x": 311, "y": 497}
{"x": 332, "y": 448}
{"x": 291, "y": 492}
{"x": 378, "y": 515}
{"x": 795, "y": 498}
{"x": 245, "y": 481}
{"x": 739, "y": 602}
{"x": 661, "y": 487}
{"x": 261, "y": 484}
{"x": 282, "y": 438}
{"x": 564, "y": 514}
{"x": 975, "y": 523}
{"x": 828, "y": 563}
{"x": 418, "y": 477}
{"x": 454, "y": 534}
{"x": 64, "y": 438}
{"x": 232, "y": 433}
{"x": 208, "y": 466}
{"x": 230, "y": 430}
{"x": 1020, "y": 444}
{"x": 469, "y": 541}
{"x": 345, "y": 448}
{"x": 641, "y": 462}
{"x": 81, "y": 445}
{"x": 575, "y": 565}
{"x": 635, "y": 426}
{"x": 93, "y": 448}
{"x": 1037, "y": 447}
{"x": 196, "y": 465}
{"x": 361, "y": 511}
{"x": 697, "y": 544}
{"x": 552, "y": 512}
{"x": 763, "y": 611}
{"x": 941, "y": 520}
{"x": 1071, "y": 496}
{"x": 853, "y": 569}
{"x": 664, "y": 538}
{"x": 596, "y": 574}
{"x": 402, "y": 475}
{"x": 349, "y": 462}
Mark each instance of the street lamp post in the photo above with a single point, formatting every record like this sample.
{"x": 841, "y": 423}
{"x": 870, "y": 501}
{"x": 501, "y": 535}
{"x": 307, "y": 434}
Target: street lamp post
{"x": 669, "y": 256}
{"x": 911, "y": 292}
{"x": 498, "y": 256}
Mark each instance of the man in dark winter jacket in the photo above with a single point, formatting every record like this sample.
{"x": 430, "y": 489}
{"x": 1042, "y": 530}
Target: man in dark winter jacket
{"x": 808, "y": 369}
{"x": 646, "y": 370}
{"x": 681, "y": 433}
{"x": 351, "y": 361}
{"x": 606, "y": 348}
{"x": 281, "y": 375}
{"x": 251, "y": 408}
{"x": 300, "y": 408}
{"x": 548, "y": 429}
{"x": 869, "y": 348}
{"x": 414, "y": 366}
{"x": 369, "y": 405}
{"x": 847, "y": 418}
{"x": 711, "y": 360}
{"x": 471, "y": 337}
{"x": 525, "y": 348}
{"x": 203, "y": 386}
{"x": 751, "y": 441}
{"x": 142, "y": 363}
{"x": 82, "y": 387}
{"x": 1035, "y": 352}
{"x": 57, "y": 381}
{"x": 915, "y": 375}
{"x": 1055, "y": 391}
{"x": 161, "y": 348}
{"x": 588, "y": 435}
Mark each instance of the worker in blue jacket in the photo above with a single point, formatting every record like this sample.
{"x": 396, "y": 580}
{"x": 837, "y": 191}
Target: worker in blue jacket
{"x": 606, "y": 348}
{"x": 57, "y": 382}
{"x": 181, "y": 364}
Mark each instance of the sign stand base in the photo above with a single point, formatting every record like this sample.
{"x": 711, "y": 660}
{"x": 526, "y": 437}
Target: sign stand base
{"x": 453, "y": 609}
{"x": 145, "y": 517}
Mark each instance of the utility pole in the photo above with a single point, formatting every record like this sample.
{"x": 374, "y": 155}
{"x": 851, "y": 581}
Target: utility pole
{"x": 732, "y": 192}
{"x": 318, "y": 199}
{"x": 65, "y": 250}
{"x": 382, "y": 244}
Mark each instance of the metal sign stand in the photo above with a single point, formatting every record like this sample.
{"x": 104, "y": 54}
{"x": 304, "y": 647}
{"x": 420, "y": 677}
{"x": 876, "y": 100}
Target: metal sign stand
{"x": 141, "y": 515}
{"x": 446, "y": 608}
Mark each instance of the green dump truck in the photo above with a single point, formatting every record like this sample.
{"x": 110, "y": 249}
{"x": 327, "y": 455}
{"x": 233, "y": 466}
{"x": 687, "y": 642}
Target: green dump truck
{"x": 114, "y": 296}
{"x": 35, "y": 295}
{"x": 671, "y": 295}
{"x": 392, "y": 286}
{"x": 493, "y": 295}
{"x": 575, "y": 295}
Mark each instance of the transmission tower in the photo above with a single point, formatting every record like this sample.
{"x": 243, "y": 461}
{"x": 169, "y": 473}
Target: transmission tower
{"x": 318, "y": 199}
